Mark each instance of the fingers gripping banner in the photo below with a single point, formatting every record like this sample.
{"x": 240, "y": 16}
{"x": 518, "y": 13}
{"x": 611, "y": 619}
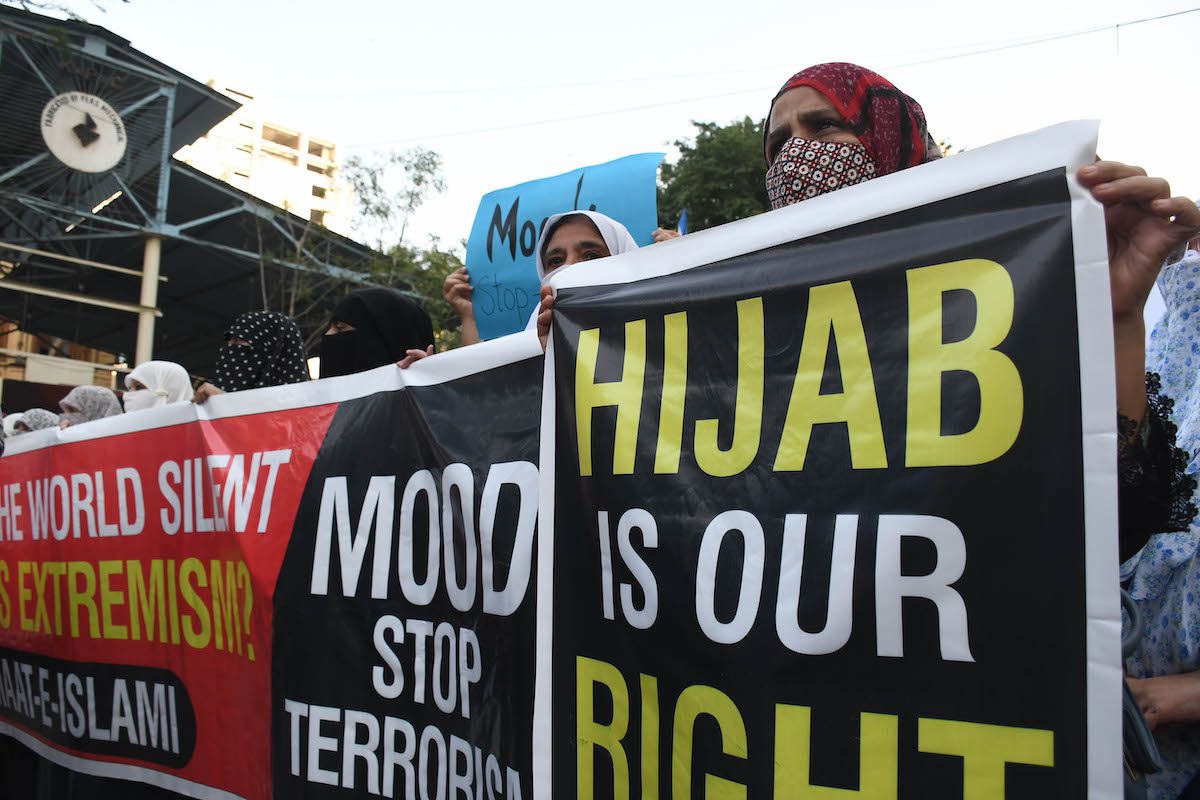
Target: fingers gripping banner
{"x": 314, "y": 589}
{"x": 832, "y": 499}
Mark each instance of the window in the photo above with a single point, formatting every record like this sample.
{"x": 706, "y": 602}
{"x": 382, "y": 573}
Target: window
{"x": 317, "y": 216}
{"x": 320, "y": 170}
{"x": 281, "y": 137}
{"x": 320, "y": 149}
{"x": 318, "y": 191}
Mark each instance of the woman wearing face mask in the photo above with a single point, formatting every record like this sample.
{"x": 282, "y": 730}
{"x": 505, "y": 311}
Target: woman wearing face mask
{"x": 836, "y": 125}
{"x": 566, "y": 238}
{"x": 373, "y": 327}
{"x": 87, "y": 404}
{"x": 262, "y": 348}
{"x": 154, "y": 384}
{"x": 35, "y": 419}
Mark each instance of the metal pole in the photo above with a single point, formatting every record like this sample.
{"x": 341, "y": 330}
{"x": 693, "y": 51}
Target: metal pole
{"x": 149, "y": 300}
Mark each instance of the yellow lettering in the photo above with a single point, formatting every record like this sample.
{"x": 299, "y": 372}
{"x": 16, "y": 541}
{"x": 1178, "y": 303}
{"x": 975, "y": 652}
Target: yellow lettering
{"x": 24, "y": 593}
{"x": 878, "y": 757}
{"x": 195, "y": 632}
{"x": 145, "y": 601}
{"x": 56, "y": 570}
{"x": 591, "y": 734}
{"x": 694, "y": 701}
{"x": 674, "y": 390}
{"x": 649, "y": 737}
{"x": 833, "y": 317}
{"x": 110, "y": 597}
{"x": 1001, "y": 399}
{"x": 225, "y": 607}
{"x": 5, "y": 603}
{"x": 625, "y": 394}
{"x": 82, "y": 598}
{"x": 747, "y": 418}
{"x": 985, "y": 749}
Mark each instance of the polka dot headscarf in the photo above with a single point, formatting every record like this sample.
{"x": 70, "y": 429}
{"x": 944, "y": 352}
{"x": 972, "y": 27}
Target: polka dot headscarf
{"x": 273, "y": 357}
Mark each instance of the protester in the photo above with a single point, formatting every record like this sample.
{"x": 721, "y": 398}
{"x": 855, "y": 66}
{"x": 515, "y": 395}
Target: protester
{"x": 156, "y": 383}
{"x": 10, "y": 423}
{"x": 262, "y": 348}
{"x": 87, "y": 404}
{"x": 1164, "y": 578}
{"x": 373, "y": 327}
{"x": 566, "y": 238}
{"x": 36, "y": 419}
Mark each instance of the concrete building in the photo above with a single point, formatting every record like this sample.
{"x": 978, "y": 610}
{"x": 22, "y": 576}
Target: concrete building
{"x": 276, "y": 163}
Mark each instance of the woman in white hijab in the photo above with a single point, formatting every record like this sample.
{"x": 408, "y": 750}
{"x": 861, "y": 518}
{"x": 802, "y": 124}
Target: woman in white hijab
{"x": 156, "y": 383}
{"x": 571, "y": 237}
{"x": 10, "y": 423}
{"x": 566, "y": 238}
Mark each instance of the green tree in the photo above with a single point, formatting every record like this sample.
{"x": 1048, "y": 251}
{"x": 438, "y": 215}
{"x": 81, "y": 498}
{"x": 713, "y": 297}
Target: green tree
{"x": 719, "y": 177}
{"x": 388, "y": 190}
{"x": 421, "y": 272}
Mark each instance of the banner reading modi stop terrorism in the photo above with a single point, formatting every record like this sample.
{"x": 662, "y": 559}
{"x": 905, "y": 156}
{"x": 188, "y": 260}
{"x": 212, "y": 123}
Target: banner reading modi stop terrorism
{"x": 829, "y": 498}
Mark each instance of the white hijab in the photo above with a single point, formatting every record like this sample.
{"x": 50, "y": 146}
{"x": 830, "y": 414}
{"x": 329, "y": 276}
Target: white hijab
{"x": 615, "y": 235}
{"x": 165, "y": 382}
{"x": 10, "y": 423}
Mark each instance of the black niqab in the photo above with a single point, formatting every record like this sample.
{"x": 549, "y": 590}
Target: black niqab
{"x": 386, "y": 324}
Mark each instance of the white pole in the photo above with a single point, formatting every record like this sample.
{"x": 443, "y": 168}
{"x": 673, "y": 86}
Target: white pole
{"x": 149, "y": 301}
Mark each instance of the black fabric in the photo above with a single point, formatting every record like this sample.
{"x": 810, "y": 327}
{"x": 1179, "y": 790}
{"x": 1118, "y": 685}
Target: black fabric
{"x": 386, "y": 324}
{"x": 1155, "y": 493}
{"x": 273, "y": 357}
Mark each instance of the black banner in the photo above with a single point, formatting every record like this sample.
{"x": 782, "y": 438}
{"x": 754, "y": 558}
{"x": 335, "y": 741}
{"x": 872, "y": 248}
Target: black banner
{"x": 405, "y": 610}
{"x": 819, "y": 515}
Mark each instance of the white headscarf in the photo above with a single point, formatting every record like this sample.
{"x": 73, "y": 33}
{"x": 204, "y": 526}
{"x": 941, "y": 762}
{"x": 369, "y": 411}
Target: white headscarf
{"x": 165, "y": 382}
{"x": 10, "y": 423}
{"x": 615, "y": 235}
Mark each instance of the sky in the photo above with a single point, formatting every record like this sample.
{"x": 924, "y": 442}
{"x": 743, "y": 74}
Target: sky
{"x": 510, "y": 91}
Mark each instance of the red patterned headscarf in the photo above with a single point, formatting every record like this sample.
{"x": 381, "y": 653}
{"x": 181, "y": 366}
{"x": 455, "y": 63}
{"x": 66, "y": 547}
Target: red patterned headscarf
{"x": 889, "y": 123}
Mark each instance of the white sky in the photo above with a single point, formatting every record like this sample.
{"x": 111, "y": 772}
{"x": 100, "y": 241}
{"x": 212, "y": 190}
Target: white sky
{"x": 477, "y": 81}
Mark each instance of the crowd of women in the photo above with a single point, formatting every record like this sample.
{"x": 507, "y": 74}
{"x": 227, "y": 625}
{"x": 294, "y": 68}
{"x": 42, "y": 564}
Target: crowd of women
{"x": 831, "y": 126}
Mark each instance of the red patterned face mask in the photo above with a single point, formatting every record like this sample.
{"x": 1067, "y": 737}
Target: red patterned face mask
{"x": 806, "y": 168}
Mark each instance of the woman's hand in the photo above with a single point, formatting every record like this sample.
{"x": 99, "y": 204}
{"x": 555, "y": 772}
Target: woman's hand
{"x": 1168, "y": 699}
{"x": 1144, "y": 225}
{"x": 665, "y": 234}
{"x": 205, "y": 391}
{"x": 545, "y": 313}
{"x": 457, "y": 291}
{"x": 413, "y": 356}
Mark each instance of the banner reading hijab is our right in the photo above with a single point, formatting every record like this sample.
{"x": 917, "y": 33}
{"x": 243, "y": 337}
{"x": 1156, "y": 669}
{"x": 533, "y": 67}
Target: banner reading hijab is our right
{"x": 832, "y": 496}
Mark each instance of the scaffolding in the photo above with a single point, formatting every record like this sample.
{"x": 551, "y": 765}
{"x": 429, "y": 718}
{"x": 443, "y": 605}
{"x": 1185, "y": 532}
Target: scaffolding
{"x": 149, "y": 256}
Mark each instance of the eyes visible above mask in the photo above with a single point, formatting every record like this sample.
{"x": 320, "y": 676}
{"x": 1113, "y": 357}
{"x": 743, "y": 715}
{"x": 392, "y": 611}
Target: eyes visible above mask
{"x": 806, "y": 168}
